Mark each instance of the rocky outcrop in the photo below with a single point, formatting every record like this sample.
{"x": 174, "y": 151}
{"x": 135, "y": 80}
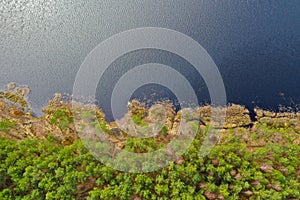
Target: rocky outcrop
{"x": 160, "y": 120}
{"x": 236, "y": 115}
{"x": 279, "y": 119}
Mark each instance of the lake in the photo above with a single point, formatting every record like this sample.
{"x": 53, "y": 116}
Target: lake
{"x": 255, "y": 44}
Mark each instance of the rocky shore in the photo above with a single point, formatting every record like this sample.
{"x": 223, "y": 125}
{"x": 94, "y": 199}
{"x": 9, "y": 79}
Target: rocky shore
{"x": 16, "y": 121}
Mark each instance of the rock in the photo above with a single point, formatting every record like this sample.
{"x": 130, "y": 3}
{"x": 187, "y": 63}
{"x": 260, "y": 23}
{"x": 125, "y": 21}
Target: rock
{"x": 179, "y": 161}
{"x": 11, "y": 86}
{"x": 57, "y": 98}
{"x": 248, "y": 193}
{"x": 86, "y": 186}
{"x": 220, "y": 197}
{"x": 266, "y": 168}
{"x": 233, "y": 172}
{"x": 263, "y": 113}
{"x": 116, "y": 132}
{"x": 269, "y": 113}
{"x": 205, "y": 113}
{"x": 277, "y": 187}
{"x": 259, "y": 113}
{"x": 38, "y": 130}
{"x": 157, "y": 113}
{"x": 211, "y": 173}
{"x": 202, "y": 185}
{"x": 237, "y": 116}
{"x": 269, "y": 185}
{"x": 2, "y": 104}
{"x": 170, "y": 115}
{"x": 210, "y": 195}
{"x": 286, "y": 114}
{"x": 266, "y": 120}
{"x": 169, "y": 151}
{"x": 16, "y": 113}
{"x": 137, "y": 108}
{"x": 238, "y": 177}
{"x": 215, "y": 162}
{"x": 23, "y": 90}
{"x": 283, "y": 169}
{"x": 277, "y": 138}
{"x": 255, "y": 183}
{"x": 281, "y": 122}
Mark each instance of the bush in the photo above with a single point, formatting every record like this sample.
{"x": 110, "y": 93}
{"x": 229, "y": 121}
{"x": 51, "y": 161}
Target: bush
{"x": 35, "y": 169}
{"x": 6, "y": 125}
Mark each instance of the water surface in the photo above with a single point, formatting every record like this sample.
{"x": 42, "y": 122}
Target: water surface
{"x": 255, "y": 44}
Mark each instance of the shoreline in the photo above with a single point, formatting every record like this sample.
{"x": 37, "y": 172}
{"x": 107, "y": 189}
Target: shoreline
{"x": 14, "y": 107}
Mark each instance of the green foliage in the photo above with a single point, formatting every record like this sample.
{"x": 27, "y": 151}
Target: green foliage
{"x": 137, "y": 119}
{"x": 100, "y": 126}
{"x": 44, "y": 169}
{"x": 6, "y": 125}
{"x": 164, "y": 130}
{"x": 141, "y": 145}
{"x": 63, "y": 118}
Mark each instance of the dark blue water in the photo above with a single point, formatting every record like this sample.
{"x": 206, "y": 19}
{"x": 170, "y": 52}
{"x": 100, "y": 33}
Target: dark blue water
{"x": 255, "y": 44}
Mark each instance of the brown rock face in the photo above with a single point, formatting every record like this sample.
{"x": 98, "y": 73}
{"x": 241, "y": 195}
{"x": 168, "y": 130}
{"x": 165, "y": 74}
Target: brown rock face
{"x": 255, "y": 183}
{"x": 248, "y": 193}
{"x": 233, "y": 172}
{"x": 238, "y": 176}
{"x": 161, "y": 119}
{"x": 137, "y": 108}
{"x": 215, "y": 162}
{"x": 277, "y": 187}
{"x": 266, "y": 168}
{"x": 278, "y": 120}
{"x": 236, "y": 115}
{"x": 210, "y": 195}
